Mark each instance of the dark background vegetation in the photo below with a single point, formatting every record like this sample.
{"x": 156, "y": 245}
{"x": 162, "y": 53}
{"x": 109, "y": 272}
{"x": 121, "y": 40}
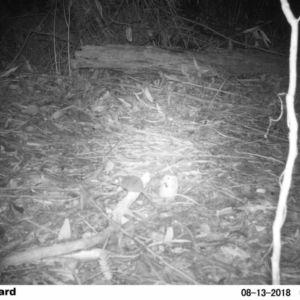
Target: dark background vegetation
{"x": 27, "y": 26}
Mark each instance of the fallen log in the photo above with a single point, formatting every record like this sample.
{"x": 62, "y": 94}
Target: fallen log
{"x": 135, "y": 59}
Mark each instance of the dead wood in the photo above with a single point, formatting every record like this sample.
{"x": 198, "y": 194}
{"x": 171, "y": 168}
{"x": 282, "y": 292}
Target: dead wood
{"x": 135, "y": 59}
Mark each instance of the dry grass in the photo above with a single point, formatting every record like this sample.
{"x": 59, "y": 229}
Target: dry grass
{"x": 62, "y": 162}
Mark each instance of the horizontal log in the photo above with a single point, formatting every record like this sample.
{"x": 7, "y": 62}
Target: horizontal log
{"x": 134, "y": 59}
